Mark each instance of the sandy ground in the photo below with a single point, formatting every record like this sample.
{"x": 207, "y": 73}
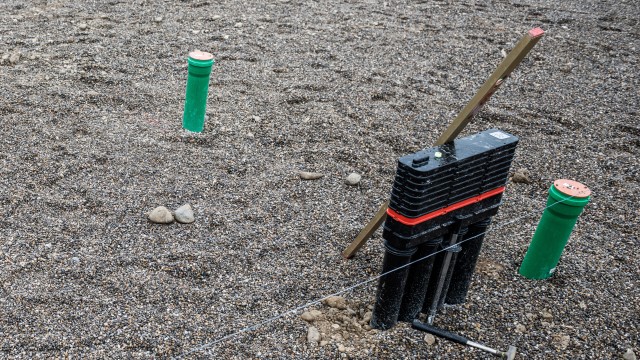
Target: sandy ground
{"x": 91, "y": 140}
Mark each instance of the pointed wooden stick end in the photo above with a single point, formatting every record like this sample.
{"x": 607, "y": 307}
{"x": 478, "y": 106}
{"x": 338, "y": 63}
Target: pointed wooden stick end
{"x": 537, "y": 32}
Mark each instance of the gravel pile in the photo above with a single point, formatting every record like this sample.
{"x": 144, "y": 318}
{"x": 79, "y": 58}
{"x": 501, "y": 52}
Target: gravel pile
{"x": 91, "y": 142}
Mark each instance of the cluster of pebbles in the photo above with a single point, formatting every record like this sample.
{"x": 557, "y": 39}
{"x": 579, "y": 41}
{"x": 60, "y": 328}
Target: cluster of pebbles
{"x": 339, "y": 324}
{"x": 162, "y": 215}
{"x": 351, "y": 179}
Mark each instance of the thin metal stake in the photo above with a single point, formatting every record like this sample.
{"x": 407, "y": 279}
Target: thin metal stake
{"x": 443, "y": 276}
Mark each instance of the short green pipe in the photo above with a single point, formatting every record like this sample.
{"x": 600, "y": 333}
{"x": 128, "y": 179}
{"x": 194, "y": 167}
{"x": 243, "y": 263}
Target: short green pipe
{"x": 567, "y": 199}
{"x": 195, "y": 104}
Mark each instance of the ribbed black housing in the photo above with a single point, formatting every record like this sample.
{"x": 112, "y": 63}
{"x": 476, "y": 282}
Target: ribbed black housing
{"x": 467, "y": 167}
{"x": 402, "y": 236}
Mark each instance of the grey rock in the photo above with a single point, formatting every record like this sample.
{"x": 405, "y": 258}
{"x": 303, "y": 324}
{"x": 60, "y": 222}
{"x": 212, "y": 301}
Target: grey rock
{"x": 353, "y": 179}
{"x": 430, "y": 339}
{"x": 184, "y": 214}
{"x": 337, "y": 302}
{"x": 313, "y": 335}
{"x": 582, "y": 305}
{"x": 160, "y": 215}
{"x": 367, "y": 317}
{"x": 561, "y": 341}
{"x": 629, "y": 355}
{"x": 305, "y": 175}
{"x": 158, "y": 19}
{"x": 14, "y": 58}
{"x": 521, "y": 176}
{"x": 307, "y": 316}
{"x": 83, "y": 26}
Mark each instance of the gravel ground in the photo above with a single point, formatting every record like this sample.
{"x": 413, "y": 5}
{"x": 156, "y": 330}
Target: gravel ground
{"x": 91, "y": 140}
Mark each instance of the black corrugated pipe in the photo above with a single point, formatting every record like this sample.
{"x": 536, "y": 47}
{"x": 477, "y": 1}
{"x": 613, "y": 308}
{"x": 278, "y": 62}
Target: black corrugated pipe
{"x": 417, "y": 281}
{"x": 466, "y": 263}
{"x": 391, "y": 287}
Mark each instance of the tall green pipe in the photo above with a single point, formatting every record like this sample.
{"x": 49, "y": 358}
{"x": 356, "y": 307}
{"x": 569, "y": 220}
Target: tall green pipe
{"x": 195, "y": 104}
{"x": 566, "y": 200}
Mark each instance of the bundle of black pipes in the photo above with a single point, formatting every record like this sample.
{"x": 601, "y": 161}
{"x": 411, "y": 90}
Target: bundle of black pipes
{"x": 441, "y": 197}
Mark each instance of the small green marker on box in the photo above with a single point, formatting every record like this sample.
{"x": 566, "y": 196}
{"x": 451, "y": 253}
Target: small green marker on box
{"x": 195, "y": 104}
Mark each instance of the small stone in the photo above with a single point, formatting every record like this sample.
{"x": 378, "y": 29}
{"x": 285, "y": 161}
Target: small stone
{"x": 47, "y": 246}
{"x": 335, "y": 326}
{"x": 546, "y": 315}
{"x": 341, "y": 348}
{"x": 238, "y": 24}
{"x": 92, "y": 93}
{"x": 582, "y": 305}
{"x": 14, "y": 58}
{"x": 307, "y": 316}
{"x": 184, "y": 214}
{"x": 313, "y": 335}
{"x": 521, "y": 328}
{"x": 353, "y": 179}
{"x": 161, "y": 215}
{"x": 430, "y": 339}
{"x": 216, "y": 17}
{"x": 158, "y": 19}
{"x": 568, "y": 67}
{"x": 75, "y": 260}
{"x": 629, "y": 355}
{"x": 316, "y": 313}
{"x": 521, "y": 176}
{"x": 83, "y": 26}
{"x": 195, "y": 32}
{"x": 336, "y": 302}
{"x": 323, "y": 343}
{"x": 304, "y": 175}
{"x": 256, "y": 118}
{"x": 367, "y": 317}
{"x": 350, "y": 311}
{"x": 561, "y": 341}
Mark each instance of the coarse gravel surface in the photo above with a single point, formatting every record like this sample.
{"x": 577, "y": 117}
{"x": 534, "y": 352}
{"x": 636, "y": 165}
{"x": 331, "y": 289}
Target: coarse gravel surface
{"x": 91, "y": 99}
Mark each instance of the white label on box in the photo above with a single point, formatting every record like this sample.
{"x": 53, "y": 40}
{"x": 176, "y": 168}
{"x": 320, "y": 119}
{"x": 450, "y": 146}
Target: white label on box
{"x": 499, "y": 134}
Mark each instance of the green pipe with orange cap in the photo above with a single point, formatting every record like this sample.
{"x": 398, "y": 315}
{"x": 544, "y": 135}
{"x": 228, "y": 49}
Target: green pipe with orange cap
{"x": 195, "y": 104}
{"x": 567, "y": 199}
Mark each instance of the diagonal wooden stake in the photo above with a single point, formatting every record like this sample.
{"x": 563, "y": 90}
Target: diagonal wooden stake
{"x": 483, "y": 95}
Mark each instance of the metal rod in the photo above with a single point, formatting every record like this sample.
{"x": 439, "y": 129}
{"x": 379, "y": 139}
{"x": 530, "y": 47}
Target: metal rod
{"x": 418, "y": 325}
{"x": 443, "y": 277}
